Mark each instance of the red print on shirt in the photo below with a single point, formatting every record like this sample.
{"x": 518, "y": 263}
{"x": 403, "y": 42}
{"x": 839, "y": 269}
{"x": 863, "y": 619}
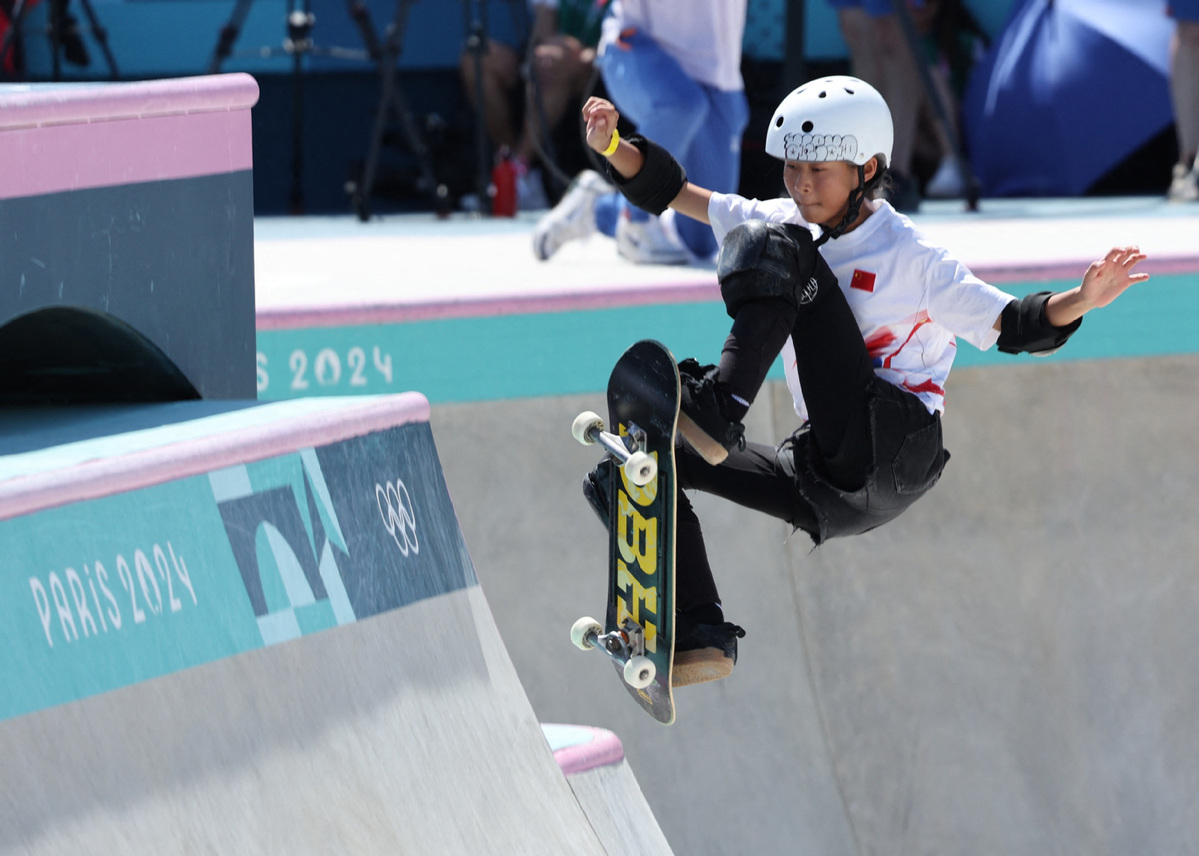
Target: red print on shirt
{"x": 878, "y": 344}
{"x": 863, "y": 281}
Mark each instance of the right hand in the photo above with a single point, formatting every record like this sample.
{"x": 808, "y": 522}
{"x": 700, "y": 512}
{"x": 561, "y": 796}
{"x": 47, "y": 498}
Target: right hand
{"x": 601, "y": 117}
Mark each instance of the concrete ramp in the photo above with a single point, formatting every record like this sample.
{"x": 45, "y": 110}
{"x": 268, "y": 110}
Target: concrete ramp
{"x": 1007, "y": 668}
{"x": 1010, "y": 670}
{"x": 256, "y": 629}
{"x": 594, "y": 763}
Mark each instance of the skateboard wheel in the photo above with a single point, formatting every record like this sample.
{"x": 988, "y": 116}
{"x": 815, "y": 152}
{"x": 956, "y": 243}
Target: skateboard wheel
{"x": 584, "y": 632}
{"x": 583, "y": 425}
{"x": 639, "y": 672}
{"x": 641, "y": 469}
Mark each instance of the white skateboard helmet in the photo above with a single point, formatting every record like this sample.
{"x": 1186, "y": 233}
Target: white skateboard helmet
{"x": 837, "y": 118}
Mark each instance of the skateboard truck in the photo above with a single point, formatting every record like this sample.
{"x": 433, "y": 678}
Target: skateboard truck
{"x": 640, "y": 468}
{"x": 625, "y": 645}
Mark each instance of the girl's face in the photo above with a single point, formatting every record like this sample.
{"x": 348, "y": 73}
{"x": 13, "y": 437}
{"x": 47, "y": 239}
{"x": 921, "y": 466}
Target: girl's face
{"x": 821, "y": 189}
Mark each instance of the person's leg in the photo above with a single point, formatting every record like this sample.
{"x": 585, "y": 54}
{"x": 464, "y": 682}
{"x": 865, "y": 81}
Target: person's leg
{"x": 500, "y": 77}
{"x": 713, "y": 160}
{"x": 880, "y": 55}
{"x": 856, "y": 29}
{"x": 835, "y": 373}
{"x": 651, "y": 89}
{"x": 898, "y": 75}
{"x": 750, "y": 477}
{"x": 833, "y": 364}
{"x": 901, "y": 87}
{"x": 558, "y": 73}
{"x": 1184, "y": 88}
{"x": 775, "y": 284}
{"x": 706, "y": 644}
{"x": 608, "y": 210}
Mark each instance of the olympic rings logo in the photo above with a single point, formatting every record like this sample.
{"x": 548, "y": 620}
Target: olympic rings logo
{"x": 395, "y": 507}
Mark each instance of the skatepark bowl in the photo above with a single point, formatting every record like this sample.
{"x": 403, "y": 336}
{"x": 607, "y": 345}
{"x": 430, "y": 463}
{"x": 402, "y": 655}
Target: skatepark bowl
{"x": 315, "y": 594}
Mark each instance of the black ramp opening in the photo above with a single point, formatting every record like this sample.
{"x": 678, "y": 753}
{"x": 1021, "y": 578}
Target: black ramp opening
{"x": 68, "y": 355}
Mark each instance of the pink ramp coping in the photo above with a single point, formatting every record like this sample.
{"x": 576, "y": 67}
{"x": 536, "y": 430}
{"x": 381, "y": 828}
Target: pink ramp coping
{"x": 574, "y": 300}
{"x": 90, "y": 469}
{"x": 579, "y": 748}
{"x": 84, "y": 136}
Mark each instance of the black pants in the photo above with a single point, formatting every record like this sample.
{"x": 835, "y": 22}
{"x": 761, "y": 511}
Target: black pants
{"x": 750, "y": 477}
{"x": 853, "y": 419}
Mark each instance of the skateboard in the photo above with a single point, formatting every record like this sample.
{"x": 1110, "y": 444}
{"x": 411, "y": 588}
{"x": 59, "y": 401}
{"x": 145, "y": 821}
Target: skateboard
{"x": 638, "y": 630}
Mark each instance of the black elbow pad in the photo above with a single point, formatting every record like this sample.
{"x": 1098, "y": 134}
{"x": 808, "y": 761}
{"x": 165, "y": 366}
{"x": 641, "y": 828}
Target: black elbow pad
{"x": 1023, "y": 327}
{"x": 659, "y": 181}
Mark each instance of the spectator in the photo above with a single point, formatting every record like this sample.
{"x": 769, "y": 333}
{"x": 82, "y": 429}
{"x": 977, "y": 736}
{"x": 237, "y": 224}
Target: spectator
{"x": 546, "y": 76}
{"x": 879, "y": 54}
{"x": 674, "y": 69}
{"x": 950, "y": 40}
{"x": 1184, "y": 88}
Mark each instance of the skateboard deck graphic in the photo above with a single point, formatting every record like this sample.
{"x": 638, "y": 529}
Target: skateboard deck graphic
{"x": 638, "y": 630}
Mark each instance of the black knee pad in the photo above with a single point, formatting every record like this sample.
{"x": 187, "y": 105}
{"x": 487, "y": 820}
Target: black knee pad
{"x": 760, "y": 260}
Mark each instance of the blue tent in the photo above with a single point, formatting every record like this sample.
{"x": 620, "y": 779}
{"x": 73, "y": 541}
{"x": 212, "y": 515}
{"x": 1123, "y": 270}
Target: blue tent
{"x": 1068, "y": 91}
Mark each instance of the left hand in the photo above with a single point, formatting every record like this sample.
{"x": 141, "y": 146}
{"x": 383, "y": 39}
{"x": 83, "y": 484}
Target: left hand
{"x": 601, "y": 118}
{"x": 1104, "y": 281}
{"x": 1108, "y": 278}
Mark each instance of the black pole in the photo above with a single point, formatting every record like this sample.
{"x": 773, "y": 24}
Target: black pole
{"x": 101, "y": 36}
{"x": 476, "y": 44}
{"x": 299, "y": 43}
{"x": 795, "y": 68}
{"x": 229, "y": 35}
{"x": 16, "y": 15}
{"x": 56, "y": 19}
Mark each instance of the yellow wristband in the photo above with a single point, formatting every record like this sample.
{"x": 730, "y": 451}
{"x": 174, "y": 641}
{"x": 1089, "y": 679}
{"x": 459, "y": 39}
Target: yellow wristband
{"x": 612, "y": 145}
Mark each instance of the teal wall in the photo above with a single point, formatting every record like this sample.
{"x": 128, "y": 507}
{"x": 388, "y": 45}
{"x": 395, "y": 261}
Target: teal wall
{"x": 104, "y": 593}
{"x": 514, "y": 356}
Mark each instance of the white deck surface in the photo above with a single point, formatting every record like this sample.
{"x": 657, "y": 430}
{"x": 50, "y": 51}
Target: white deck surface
{"x": 315, "y": 263}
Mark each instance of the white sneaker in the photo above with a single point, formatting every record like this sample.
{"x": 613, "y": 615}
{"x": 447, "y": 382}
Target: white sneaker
{"x": 1185, "y": 185}
{"x": 947, "y": 182}
{"x": 573, "y": 218}
{"x": 645, "y": 242}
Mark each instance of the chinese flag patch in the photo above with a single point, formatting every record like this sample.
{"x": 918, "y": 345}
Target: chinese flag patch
{"x": 863, "y": 281}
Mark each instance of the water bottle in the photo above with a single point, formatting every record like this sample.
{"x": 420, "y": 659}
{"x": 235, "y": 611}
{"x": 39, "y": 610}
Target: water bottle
{"x": 503, "y": 185}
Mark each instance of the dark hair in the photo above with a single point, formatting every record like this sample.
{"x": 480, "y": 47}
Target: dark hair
{"x": 881, "y": 184}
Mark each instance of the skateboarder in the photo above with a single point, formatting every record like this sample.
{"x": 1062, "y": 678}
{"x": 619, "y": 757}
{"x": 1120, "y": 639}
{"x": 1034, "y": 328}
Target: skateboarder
{"x": 865, "y": 312}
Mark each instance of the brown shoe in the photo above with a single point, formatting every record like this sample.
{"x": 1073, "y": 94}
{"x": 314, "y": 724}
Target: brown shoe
{"x": 704, "y": 652}
{"x": 700, "y": 667}
{"x": 701, "y": 414}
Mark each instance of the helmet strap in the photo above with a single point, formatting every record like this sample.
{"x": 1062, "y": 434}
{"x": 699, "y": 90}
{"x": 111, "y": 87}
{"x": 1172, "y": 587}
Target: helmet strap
{"x": 856, "y": 197}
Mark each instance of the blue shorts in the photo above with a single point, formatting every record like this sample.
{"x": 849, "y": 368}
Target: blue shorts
{"x": 873, "y": 8}
{"x": 1183, "y": 10}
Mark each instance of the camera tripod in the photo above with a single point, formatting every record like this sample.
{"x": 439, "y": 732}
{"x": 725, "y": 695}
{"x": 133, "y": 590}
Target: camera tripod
{"x": 63, "y": 33}
{"x": 392, "y": 102}
{"x": 298, "y": 44}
